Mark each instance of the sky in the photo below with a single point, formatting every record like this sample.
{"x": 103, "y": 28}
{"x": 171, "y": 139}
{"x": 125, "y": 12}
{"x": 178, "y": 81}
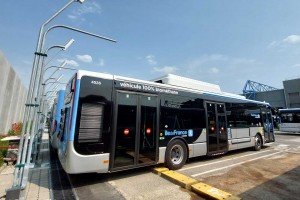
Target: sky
{"x": 216, "y": 41}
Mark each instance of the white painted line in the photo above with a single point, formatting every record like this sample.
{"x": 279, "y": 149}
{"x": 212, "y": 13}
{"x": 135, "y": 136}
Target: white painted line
{"x": 213, "y": 170}
{"x": 220, "y": 161}
{"x": 283, "y": 145}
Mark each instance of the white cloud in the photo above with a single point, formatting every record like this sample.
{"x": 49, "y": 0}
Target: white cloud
{"x": 292, "y": 39}
{"x": 221, "y": 69}
{"x": 85, "y": 58}
{"x": 273, "y": 44}
{"x": 214, "y": 70}
{"x": 72, "y": 17}
{"x": 214, "y": 57}
{"x": 243, "y": 61}
{"x": 222, "y": 61}
{"x": 72, "y": 63}
{"x": 296, "y": 66}
{"x": 151, "y": 60}
{"x": 85, "y": 8}
{"x": 101, "y": 62}
{"x": 206, "y": 61}
{"x": 165, "y": 69}
{"x": 27, "y": 62}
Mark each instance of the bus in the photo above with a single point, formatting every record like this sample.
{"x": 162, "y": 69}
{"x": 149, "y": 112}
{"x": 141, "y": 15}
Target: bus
{"x": 56, "y": 116}
{"x": 289, "y": 120}
{"x": 112, "y": 123}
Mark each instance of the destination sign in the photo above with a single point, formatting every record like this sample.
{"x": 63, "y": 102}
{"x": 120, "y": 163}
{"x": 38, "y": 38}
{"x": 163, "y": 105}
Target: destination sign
{"x": 148, "y": 88}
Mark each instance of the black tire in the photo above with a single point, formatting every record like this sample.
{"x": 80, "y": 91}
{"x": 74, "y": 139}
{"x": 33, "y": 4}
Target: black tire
{"x": 258, "y": 143}
{"x": 176, "y": 154}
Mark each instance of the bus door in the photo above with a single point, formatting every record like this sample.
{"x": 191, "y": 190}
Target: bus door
{"x": 268, "y": 125}
{"x": 135, "y": 140}
{"x": 217, "y": 139}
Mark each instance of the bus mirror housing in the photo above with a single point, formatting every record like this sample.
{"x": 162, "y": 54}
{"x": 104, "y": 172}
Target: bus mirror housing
{"x": 73, "y": 85}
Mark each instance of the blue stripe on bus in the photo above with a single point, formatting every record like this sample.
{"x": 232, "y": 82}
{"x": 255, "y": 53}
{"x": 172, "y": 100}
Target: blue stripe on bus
{"x": 75, "y": 108}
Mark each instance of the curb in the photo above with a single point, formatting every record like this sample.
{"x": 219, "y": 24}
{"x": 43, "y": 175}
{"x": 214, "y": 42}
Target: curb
{"x": 203, "y": 190}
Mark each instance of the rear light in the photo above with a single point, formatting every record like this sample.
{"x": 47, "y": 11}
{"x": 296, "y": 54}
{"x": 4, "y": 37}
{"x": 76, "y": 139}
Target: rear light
{"x": 126, "y": 131}
{"x": 148, "y": 130}
{"x": 212, "y": 128}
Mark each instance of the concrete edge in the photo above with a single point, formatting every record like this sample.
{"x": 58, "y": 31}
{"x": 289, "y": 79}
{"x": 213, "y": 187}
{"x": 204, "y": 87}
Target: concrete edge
{"x": 193, "y": 185}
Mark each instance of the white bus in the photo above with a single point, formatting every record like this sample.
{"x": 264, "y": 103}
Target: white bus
{"x": 112, "y": 123}
{"x": 289, "y": 120}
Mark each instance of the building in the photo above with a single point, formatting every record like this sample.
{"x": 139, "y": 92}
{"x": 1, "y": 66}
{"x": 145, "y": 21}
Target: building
{"x": 288, "y": 97}
{"x": 12, "y": 94}
{"x": 292, "y": 93}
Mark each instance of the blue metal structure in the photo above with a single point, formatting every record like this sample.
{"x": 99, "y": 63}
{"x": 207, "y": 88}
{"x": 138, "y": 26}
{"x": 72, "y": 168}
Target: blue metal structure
{"x": 251, "y": 88}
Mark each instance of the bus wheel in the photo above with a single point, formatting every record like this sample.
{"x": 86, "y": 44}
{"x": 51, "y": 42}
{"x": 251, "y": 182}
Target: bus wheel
{"x": 258, "y": 143}
{"x": 176, "y": 154}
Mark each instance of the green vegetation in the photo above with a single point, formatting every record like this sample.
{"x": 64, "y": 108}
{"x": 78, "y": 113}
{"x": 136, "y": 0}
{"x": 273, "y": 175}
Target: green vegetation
{"x": 16, "y": 129}
{"x": 2, "y": 151}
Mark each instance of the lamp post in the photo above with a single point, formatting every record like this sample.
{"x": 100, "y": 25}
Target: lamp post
{"x": 37, "y": 115}
{"x": 45, "y": 98}
{"x": 62, "y": 48}
{"x": 34, "y": 128}
{"x": 39, "y": 92}
{"x": 69, "y": 28}
{"x": 41, "y": 74}
{"x": 18, "y": 174}
{"x": 39, "y": 128}
{"x": 42, "y": 45}
{"x": 76, "y": 30}
{"x": 58, "y": 68}
{"x": 52, "y": 91}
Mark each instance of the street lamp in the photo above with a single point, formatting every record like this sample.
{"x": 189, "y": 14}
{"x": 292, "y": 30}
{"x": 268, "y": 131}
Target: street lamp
{"x": 60, "y": 68}
{"x": 18, "y": 174}
{"x": 41, "y": 74}
{"x": 63, "y": 48}
{"x": 32, "y": 136}
{"x": 41, "y": 95}
{"x": 76, "y": 30}
{"x": 68, "y": 44}
{"x": 52, "y": 91}
{"x": 39, "y": 92}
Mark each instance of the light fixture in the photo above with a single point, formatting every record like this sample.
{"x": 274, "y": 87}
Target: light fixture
{"x": 63, "y": 65}
{"x": 68, "y": 44}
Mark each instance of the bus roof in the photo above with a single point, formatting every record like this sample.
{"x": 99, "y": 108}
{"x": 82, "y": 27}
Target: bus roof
{"x": 171, "y": 81}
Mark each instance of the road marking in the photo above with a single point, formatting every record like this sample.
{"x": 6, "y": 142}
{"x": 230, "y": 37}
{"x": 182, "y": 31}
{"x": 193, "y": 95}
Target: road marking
{"x": 283, "y": 145}
{"x": 229, "y": 159}
{"x": 213, "y": 170}
{"x": 194, "y": 185}
{"x": 294, "y": 140}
